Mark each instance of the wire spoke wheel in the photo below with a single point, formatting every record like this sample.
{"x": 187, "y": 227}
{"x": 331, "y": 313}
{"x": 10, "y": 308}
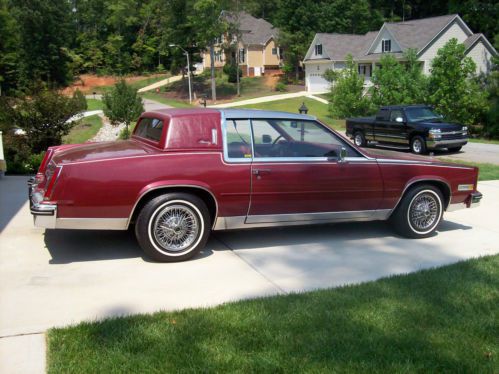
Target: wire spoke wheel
{"x": 176, "y": 227}
{"x": 424, "y": 211}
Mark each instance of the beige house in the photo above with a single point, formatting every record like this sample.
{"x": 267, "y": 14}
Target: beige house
{"x": 256, "y": 46}
{"x": 426, "y": 36}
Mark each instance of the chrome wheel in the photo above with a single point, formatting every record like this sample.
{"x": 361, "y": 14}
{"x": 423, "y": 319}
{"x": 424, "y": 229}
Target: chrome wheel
{"x": 417, "y": 146}
{"x": 176, "y": 227}
{"x": 424, "y": 211}
{"x": 358, "y": 140}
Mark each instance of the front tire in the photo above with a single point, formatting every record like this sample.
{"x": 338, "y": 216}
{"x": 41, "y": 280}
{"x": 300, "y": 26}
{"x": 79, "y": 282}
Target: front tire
{"x": 454, "y": 149}
{"x": 359, "y": 139}
{"x": 419, "y": 212}
{"x": 418, "y": 145}
{"x": 173, "y": 227}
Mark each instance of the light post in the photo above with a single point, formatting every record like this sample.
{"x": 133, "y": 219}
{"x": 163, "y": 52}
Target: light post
{"x": 188, "y": 70}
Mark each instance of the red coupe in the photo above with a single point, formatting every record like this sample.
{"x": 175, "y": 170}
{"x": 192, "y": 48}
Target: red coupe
{"x": 186, "y": 172}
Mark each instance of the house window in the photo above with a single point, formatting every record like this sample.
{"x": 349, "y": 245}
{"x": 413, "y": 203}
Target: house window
{"x": 274, "y": 51}
{"x": 218, "y": 56}
{"x": 364, "y": 70}
{"x": 242, "y": 56}
{"x": 318, "y": 49}
{"x": 281, "y": 53}
{"x": 386, "y": 45}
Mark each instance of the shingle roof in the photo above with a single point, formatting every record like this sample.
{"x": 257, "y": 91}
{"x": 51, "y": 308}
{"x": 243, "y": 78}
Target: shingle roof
{"x": 418, "y": 33}
{"x": 472, "y": 39}
{"x": 409, "y": 34}
{"x": 253, "y": 30}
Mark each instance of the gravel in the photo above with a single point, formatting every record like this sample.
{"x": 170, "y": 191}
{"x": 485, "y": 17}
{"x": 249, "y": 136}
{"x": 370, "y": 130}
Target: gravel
{"x": 107, "y": 132}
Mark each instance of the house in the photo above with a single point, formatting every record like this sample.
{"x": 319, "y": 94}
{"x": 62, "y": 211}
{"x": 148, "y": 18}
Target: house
{"x": 257, "y": 47}
{"x": 426, "y": 36}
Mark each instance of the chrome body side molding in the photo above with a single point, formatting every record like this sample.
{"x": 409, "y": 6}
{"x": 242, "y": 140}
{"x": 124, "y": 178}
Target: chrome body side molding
{"x": 243, "y": 222}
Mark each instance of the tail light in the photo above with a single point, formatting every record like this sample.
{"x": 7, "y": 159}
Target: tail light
{"x": 51, "y": 175}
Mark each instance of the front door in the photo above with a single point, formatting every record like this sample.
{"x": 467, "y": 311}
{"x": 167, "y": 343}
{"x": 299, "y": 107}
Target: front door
{"x": 391, "y": 130}
{"x": 297, "y": 175}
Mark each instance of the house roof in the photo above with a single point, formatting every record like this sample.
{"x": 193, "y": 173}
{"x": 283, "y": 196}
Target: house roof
{"x": 416, "y": 34}
{"x": 253, "y": 30}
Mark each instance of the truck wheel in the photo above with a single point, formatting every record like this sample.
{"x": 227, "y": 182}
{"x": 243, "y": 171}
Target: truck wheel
{"x": 173, "y": 227}
{"x": 419, "y": 212}
{"x": 359, "y": 139}
{"x": 418, "y": 145}
{"x": 454, "y": 149}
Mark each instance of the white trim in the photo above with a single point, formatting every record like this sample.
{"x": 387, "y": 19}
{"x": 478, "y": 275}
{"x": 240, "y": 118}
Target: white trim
{"x": 377, "y": 40}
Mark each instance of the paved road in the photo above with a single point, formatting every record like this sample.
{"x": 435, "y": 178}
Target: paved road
{"x": 54, "y": 278}
{"x": 476, "y": 152}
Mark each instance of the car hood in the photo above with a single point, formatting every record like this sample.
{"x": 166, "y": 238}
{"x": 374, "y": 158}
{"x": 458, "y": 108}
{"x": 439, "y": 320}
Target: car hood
{"x": 102, "y": 151}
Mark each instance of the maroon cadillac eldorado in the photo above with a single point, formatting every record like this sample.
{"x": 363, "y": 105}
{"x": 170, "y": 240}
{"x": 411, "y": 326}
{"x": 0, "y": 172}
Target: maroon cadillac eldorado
{"x": 186, "y": 172}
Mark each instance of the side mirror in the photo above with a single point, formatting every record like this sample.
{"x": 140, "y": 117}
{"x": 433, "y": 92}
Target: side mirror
{"x": 266, "y": 139}
{"x": 399, "y": 120}
{"x": 343, "y": 155}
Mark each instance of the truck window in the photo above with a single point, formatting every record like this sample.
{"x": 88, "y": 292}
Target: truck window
{"x": 395, "y": 114}
{"x": 383, "y": 115}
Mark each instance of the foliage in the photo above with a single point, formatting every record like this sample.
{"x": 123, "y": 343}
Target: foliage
{"x": 347, "y": 92}
{"x": 122, "y": 105}
{"x": 9, "y": 56}
{"x": 80, "y": 100}
{"x": 231, "y": 71}
{"x": 280, "y": 87}
{"x": 452, "y": 91}
{"x": 395, "y": 83}
{"x": 492, "y": 86}
{"x": 44, "y": 117}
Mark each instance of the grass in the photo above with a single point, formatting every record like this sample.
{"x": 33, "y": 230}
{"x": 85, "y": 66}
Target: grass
{"x": 94, "y": 104}
{"x": 164, "y": 100}
{"x": 487, "y": 171}
{"x": 84, "y": 131}
{"x": 315, "y": 108}
{"x": 483, "y": 140}
{"x": 438, "y": 320}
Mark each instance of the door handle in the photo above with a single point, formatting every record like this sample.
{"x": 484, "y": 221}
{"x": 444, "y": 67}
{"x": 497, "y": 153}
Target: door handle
{"x": 261, "y": 171}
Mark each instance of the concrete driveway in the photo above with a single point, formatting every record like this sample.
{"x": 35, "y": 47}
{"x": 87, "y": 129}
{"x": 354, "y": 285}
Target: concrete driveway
{"x": 54, "y": 278}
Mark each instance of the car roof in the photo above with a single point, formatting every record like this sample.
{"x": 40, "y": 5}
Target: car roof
{"x": 227, "y": 113}
{"x": 391, "y": 107}
{"x": 256, "y": 114}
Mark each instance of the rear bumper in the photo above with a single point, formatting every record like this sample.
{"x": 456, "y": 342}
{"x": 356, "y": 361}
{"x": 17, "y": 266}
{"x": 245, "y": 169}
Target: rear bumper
{"x": 472, "y": 201}
{"x": 44, "y": 215}
{"x": 438, "y": 144}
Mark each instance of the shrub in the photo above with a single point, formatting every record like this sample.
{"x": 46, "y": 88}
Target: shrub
{"x": 281, "y": 87}
{"x": 80, "y": 101}
{"x": 231, "y": 71}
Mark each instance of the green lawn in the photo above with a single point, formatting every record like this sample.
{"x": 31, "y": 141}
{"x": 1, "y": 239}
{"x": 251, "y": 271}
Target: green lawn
{"x": 167, "y": 101}
{"x": 94, "y": 104}
{"x": 148, "y": 81}
{"x": 438, "y": 320}
{"x": 487, "y": 171}
{"x": 482, "y": 140}
{"x": 84, "y": 131}
{"x": 315, "y": 108}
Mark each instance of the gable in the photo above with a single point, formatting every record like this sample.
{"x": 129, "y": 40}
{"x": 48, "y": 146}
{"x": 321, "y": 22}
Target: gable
{"x": 454, "y": 30}
{"x": 311, "y": 53}
{"x": 385, "y": 34}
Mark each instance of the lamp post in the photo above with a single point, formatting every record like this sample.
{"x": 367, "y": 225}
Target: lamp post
{"x": 188, "y": 70}
{"x": 303, "y": 109}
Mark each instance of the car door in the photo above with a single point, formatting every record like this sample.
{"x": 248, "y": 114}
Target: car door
{"x": 297, "y": 175}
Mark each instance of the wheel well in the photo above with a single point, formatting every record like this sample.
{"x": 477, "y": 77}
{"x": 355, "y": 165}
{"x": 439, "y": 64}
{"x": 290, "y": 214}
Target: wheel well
{"x": 441, "y": 186}
{"x": 204, "y": 195}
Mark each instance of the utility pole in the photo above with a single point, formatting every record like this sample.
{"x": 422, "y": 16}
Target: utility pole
{"x": 188, "y": 70}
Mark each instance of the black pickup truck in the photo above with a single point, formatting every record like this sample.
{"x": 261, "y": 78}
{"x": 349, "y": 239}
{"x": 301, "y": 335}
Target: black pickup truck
{"x": 416, "y": 127}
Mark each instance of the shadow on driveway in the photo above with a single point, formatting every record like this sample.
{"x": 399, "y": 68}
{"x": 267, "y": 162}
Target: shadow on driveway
{"x": 13, "y": 196}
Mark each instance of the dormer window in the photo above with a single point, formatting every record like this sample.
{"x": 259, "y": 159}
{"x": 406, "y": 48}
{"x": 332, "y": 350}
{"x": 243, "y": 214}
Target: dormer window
{"x": 386, "y": 45}
{"x": 318, "y": 49}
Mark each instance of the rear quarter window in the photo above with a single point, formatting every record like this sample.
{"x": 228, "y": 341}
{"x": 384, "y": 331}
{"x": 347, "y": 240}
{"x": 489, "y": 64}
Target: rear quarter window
{"x": 149, "y": 128}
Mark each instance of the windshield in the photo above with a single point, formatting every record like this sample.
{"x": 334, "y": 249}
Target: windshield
{"x": 421, "y": 114}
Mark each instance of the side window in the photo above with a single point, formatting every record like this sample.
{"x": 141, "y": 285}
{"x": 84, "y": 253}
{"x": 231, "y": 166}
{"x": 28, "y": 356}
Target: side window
{"x": 396, "y": 114}
{"x": 150, "y": 128}
{"x": 264, "y": 133}
{"x": 238, "y": 139}
{"x": 383, "y": 115}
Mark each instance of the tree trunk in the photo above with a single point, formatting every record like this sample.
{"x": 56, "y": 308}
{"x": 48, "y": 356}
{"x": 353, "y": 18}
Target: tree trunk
{"x": 212, "y": 67}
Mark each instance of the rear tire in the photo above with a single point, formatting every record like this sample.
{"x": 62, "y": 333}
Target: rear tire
{"x": 419, "y": 212}
{"x": 359, "y": 139}
{"x": 418, "y": 145}
{"x": 173, "y": 227}
{"x": 455, "y": 149}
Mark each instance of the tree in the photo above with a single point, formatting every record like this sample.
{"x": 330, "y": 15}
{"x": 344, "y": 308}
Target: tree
{"x": 452, "y": 89}
{"x": 9, "y": 56}
{"x": 396, "y": 83}
{"x": 122, "y": 105}
{"x": 44, "y": 116}
{"x": 347, "y": 92}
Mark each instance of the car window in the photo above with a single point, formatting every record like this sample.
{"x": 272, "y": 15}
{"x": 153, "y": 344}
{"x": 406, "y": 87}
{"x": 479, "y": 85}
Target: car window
{"x": 238, "y": 139}
{"x": 396, "y": 114}
{"x": 150, "y": 128}
{"x": 295, "y": 138}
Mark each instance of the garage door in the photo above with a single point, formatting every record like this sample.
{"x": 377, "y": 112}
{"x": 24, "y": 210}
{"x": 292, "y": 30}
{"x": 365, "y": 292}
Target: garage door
{"x": 317, "y": 83}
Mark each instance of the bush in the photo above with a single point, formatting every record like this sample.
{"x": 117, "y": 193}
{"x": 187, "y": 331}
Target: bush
{"x": 18, "y": 155}
{"x": 80, "y": 101}
{"x": 281, "y": 87}
{"x": 231, "y": 71}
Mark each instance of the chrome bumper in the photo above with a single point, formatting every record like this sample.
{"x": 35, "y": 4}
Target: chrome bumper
{"x": 435, "y": 143}
{"x": 471, "y": 202}
{"x": 44, "y": 215}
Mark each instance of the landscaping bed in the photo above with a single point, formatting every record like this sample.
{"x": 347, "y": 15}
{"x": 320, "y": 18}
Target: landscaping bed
{"x": 85, "y": 130}
{"x": 438, "y": 320}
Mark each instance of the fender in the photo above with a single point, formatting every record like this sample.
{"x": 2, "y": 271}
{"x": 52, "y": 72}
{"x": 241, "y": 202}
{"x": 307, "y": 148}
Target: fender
{"x": 424, "y": 178}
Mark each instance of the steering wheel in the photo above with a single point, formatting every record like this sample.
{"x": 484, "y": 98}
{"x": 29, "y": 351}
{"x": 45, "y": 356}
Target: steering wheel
{"x": 276, "y": 139}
